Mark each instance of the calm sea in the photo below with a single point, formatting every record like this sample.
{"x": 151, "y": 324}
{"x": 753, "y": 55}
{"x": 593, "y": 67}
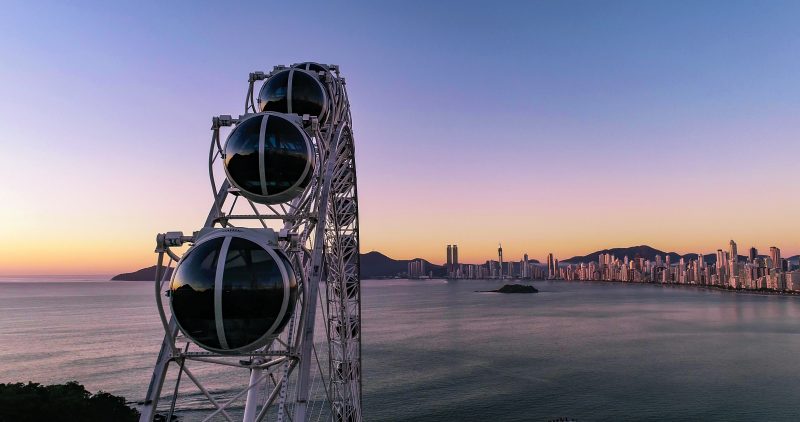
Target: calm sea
{"x": 438, "y": 351}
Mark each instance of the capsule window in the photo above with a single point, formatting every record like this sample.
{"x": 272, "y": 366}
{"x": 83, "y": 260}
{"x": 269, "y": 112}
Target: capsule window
{"x": 231, "y": 293}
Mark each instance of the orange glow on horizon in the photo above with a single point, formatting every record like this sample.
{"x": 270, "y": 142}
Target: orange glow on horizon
{"x": 35, "y": 245}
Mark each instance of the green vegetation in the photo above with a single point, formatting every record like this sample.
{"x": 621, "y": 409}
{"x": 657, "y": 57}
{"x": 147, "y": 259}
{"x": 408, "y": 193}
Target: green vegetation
{"x": 61, "y": 402}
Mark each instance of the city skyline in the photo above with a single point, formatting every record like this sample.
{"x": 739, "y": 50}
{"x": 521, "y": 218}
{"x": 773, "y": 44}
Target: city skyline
{"x": 730, "y": 270}
{"x": 772, "y": 272}
{"x": 620, "y": 123}
{"x": 451, "y": 258}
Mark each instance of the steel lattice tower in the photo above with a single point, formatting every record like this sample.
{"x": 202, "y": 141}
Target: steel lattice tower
{"x": 312, "y": 368}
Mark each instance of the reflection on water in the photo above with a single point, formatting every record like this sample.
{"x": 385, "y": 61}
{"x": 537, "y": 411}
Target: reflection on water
{"x": 436, "y": 350}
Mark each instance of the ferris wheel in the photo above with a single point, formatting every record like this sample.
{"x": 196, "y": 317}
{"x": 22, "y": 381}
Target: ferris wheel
{"x": 268, "y": 291}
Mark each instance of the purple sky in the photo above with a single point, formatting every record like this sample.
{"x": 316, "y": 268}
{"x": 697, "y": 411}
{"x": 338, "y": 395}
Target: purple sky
{"x": 551, "y": 126}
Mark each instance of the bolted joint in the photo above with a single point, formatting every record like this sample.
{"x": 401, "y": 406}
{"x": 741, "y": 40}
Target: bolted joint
{"x": 257, "y": 76}
{"x": 290, "y": 237}
{"x": 226, "y": 120}
{"x": 171, "y": 239}
{"x": 277, "y": 69}
{"x": 174, "y": 238}
{"x": 223, "y": 120}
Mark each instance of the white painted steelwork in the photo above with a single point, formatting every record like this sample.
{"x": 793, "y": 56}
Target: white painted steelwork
{"x": 312, "y": 369}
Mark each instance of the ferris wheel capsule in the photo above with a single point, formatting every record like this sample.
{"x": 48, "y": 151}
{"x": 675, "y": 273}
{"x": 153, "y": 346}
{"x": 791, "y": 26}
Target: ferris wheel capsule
{"x": 269, "y": 158}
{"x": 233, "y": 291}
{"x": 311, "y": 66}
{"x": 294, "y": 91}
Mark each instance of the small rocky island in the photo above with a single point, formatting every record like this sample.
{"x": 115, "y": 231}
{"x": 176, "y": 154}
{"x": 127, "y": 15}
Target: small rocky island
{"x": 513, "y": 288}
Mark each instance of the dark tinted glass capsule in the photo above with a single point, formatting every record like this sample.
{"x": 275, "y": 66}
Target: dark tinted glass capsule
{"x": 231, "y": 293}
{"x": 269, "y": 159}
{"x": 294, "y": 91}
{"x": 192, "y": 293}
{"x": 314, "y": 67}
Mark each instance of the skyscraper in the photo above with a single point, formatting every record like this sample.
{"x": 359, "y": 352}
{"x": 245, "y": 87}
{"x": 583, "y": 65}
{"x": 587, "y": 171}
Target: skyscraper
{"x": 550, "y": 267}
{"x": 775, "y": 254}
{"x": 555, "y": 268}
{"x": 753, "y": 254}
{"x": 500, "y": 254}
{"x": 734, "y": 260}
{"x": 698, "y": 269}
{"x": 455, "y": 257}
{"x": 525, "y": 270}
{"x": 449, "y": 260}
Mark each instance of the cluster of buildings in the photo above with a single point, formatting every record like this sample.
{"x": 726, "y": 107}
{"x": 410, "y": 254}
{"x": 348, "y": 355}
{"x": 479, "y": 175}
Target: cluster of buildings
{"x": 727, "y": 269}
{"x": 416, "y": 269}
{"x": 492, "y": 269}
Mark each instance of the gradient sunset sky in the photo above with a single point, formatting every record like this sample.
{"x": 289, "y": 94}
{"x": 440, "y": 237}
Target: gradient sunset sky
{"x": 552, "y": 126}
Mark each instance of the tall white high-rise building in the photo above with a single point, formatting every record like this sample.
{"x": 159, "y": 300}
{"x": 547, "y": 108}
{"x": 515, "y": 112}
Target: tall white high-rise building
{"x": 525, "y": 270}
{"x": 733, "y": 260}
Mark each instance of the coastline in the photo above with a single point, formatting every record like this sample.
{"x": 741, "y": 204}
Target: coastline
{"x": 695, "y": 286}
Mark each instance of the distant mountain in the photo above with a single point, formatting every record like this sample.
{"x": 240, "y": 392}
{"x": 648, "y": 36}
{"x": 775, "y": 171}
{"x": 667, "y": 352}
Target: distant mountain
{"x": 376, "y": 264}
{"x": 145, "y": 274}
{"x": 643, "y": 251}
{"x": 373, "y": 264}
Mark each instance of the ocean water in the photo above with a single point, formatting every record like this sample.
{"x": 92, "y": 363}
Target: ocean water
{"x": 439, "y": 351}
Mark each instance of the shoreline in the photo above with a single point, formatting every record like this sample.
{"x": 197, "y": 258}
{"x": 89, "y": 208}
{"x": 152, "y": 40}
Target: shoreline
{"x": 695, "y": 286}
